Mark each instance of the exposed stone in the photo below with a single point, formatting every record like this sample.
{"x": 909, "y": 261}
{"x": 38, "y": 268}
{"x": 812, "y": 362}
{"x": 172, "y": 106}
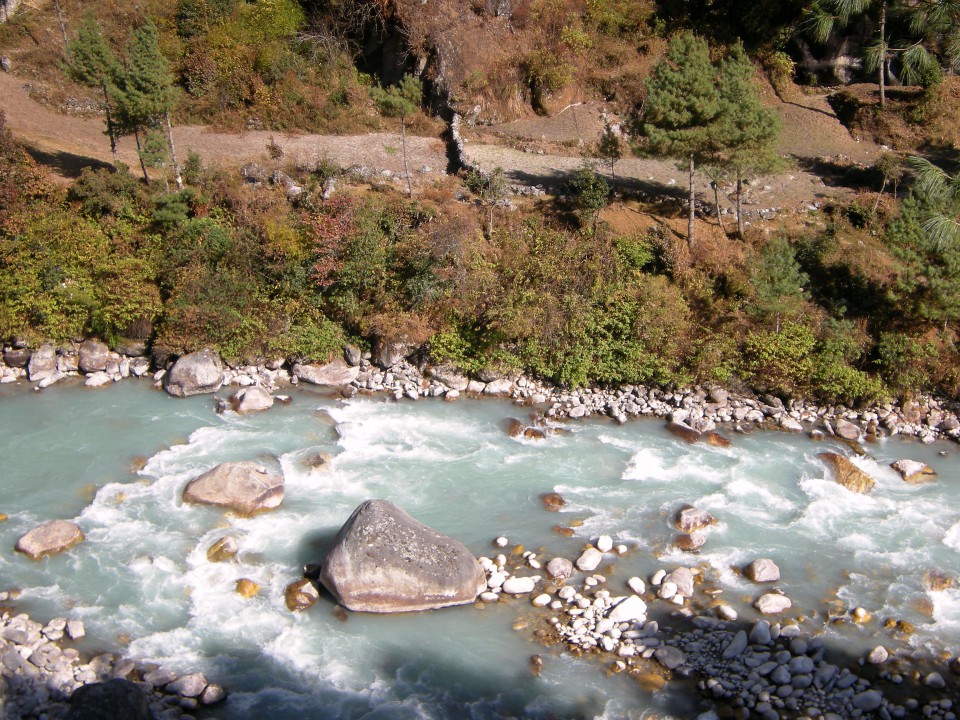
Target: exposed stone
{"x": 92, "y": 356}
{"x": 632, "y": 609}
{"x": 212, "y": 694}
{"x": 715, "y": 439}
{"x": 333, "y": 374}
{"x": 690, "y": 519}
{"x": 519, "y": 585}
{"x": 773, "y": 603}
{"x": 244, "y": 487}
{"x": 559, "y": 568}
{"x": 670, "y": 657}
{"x": 247, "y": 588}
{"x": 762, "y": 570}
{"x": 43, "y": 363}
{"x": 194, "y": 374}
{"x": 589, "y": 560}
{"x": 301, "y": 595}
{"x": 683, "y": 431}
{"x": 50, "y": 538}
{"x": 846, "y": 429}
{"x": 16, "y": 357}
{"x": 250, "y": 400}
{"x": 117, "y": 699}
{"x": 690, "y": 542}
{"x": 386, "y": 354}
{"x": 500, "y": 386}
{"x": 682, "y": 579}
{"x": 188, "y": 686}
{"x": 382, "y": 560}
{"x": 226, "y": 548}
{"x": 553, "y": 501}
{"x": 913, "y": 471}
{"x": 449, "y": 376}
{"x": 848, "y": 474}
{"x": 878, "y": 655}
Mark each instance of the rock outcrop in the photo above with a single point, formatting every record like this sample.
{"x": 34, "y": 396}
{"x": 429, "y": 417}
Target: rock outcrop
{"x": 847, "y": 474}
{"x": 383, "y": 560}
{"x": 50, "y": 538}
{"x": 195, "y": 374}
{"x": 244, "y": 487}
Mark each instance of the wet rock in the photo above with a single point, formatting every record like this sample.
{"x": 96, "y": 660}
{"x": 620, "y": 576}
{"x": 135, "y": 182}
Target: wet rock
{"x": 878, "y": 655}
{"x": 247, "y": 588}
{"x": 301, "y": 595}
{"x": 690, "y": 542}
{"x": 226, "y": 548}
{"x": 913, "y": 471}
{"x": 589, "y": 560}
{"x": 682, "y": 579}
{"x": 846, "y": 429}
{"x": 848, "y": 474}
{"x": 244, "y": 487}
{"x": 50, "y": 538}
{"x": 188, "y": 686}
{"x": 773, "y": 604}
{"x": 116, "y": 699}
{"x": 683, "y": 431}
{"x": 250, "y": 400}
{"x": 194, "y": 374}
{"x": 333, "y": 374}
{"x": 514, "y": 428}
{"x": 867, "y": 701}
{"x": 632, "y": 609}
{"x": 382, "y": 560}
{"x": 553, "y": 502}
{"x": 715, "y": 439}
{"x": 670, "y": 657}
{"x": 213, "y": 694}
{"x": 762, "y": 570}
{"x": 690, "y": 519}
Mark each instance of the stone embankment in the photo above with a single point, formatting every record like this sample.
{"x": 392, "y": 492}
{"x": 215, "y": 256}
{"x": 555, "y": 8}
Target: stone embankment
{"x": 41, "y": 674}
{"x": 399, "y": 370}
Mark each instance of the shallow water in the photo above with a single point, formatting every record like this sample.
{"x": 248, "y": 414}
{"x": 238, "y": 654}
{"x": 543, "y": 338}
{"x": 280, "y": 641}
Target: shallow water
{"x": 142, "y": 583}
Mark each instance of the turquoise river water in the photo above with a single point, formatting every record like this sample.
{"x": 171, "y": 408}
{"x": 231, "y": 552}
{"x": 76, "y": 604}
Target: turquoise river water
{"x": 143, "y": 586}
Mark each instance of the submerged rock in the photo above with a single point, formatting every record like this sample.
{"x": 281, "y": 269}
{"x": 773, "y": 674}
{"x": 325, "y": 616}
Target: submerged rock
{"x": 194, "y": 374}
{"x": 690, "y": 519}
{"x": 244, "y": 487}
{"x": 226, "y": 548}
{"x": 683, "y": 431}
{"x": 553, "y": 502}
{"x": 383, "y": 560}
{"x": 50, "y": 538}
{"x": 847, "y": 474}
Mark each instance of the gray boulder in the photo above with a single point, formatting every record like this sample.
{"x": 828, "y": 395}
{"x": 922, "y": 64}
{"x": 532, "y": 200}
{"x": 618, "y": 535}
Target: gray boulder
{"x": 913, "y": 471}
{"x": 16, "y": 357}
{"x": 333, "y": 374}
{"x": 244, "y": 487}
{"x": 382, "y": 560}
{"x": 683, "y": 579}
{"x": 116, "y": 698}
{"x": 847, "y": 430}
{"x": 450, "y": 376}
{"x": 386, "y": 354}
{"x": 50, "y": 538}
{"x": 93, "y": 356}
{"x": 43, "y": 363}
{"x": 762, "y": 570}
{"x": 772, "y": 603}
{"x": 250, "y": 400}
{"x": 194, "y": 374}
{"x": 690, "y": 519}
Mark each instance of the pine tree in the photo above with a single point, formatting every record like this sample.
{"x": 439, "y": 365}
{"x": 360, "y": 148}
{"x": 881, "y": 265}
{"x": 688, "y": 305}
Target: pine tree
{"x": 401, "y": 101}
{"x": 610, "y": 149}
{"x": 747, "y": 131}
{"x": 91, "y": 62}
{"x": 146, "y": 90}
{"x": 682, "y": 108}
{"x": 942, "y": 192}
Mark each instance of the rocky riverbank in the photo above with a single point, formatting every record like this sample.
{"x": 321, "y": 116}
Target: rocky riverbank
{"x": 404, "y": 372}
{"x": 43, "y": 676}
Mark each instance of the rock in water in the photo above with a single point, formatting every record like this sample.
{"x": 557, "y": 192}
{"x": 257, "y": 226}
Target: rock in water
{"x": 762, "y": 570}
{"x": 117, "y": 699}
{"x": 552, "y": 501}
{"x": 43, "y": 363}
{"x": 382, "y": 560}
{"x": 50, "y": 538}
{"x": 244, "y": 487}
{"x": 690, "y": 519}
{"x": 226, "y": 548}
{"x": 847, "y": 474}
{"x": 913, "y": 471}
{"x": 773, "y": 603}
{"x": 250, "y": 400}
{"x": 683, "y": 431}
{"x": 301, "y": 595}
{"x": 194, "y": 374}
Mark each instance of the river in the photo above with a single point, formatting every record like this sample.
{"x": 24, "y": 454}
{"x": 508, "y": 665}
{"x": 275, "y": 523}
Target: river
{"x": 116, "y": 460}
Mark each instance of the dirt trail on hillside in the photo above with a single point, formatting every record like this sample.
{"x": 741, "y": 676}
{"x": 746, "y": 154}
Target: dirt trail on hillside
{"x": 551, "y": 149}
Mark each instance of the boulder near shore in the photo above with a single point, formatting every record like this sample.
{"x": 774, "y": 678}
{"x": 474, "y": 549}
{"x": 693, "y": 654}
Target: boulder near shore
{"x": 382, "y": 560}
{"x": 50, "y": 538}
{"x": 194, "y": 374}
{"x": 244, "y": 487}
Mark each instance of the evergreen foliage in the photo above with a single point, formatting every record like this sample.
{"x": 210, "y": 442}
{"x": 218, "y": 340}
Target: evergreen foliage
{"x": 401, "y": 101}
{"x": 91, "y": 62}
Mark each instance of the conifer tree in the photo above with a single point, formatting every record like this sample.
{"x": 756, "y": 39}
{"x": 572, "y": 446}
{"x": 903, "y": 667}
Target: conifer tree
{"x": 401, "y": 101}
{"x": 682, "y": 108}
{"x": 91, "y": 62}
{"x": 146, "y": 90}
{"x": 610, "y": 149}
{"x": 747, "y": 131}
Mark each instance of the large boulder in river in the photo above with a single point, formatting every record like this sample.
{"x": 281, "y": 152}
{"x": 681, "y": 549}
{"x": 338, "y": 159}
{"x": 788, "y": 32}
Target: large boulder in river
{"x": 847, "y": 474}
{"x": 250, "y": 400}
{"x": 913, "y": 471}
{"x": 194, "y": 374}
{"x": 50, "y": 538}
{"x": 116, "y": 698}
{"x": 382, "y": 560}
{"x": 333, "y": 374}
{"x": 244, "y": 487}
{"x": 93, "y": 356}
{"x": 43, "y": 363}
{"x": 690, "y": 519}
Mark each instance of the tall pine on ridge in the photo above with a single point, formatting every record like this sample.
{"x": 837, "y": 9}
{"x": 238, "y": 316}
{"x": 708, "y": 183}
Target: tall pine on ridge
{"x": 91, "y": 62}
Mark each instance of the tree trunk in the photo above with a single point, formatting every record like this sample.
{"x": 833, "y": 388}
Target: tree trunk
{"x": 490, "y": 222}
{"x": 143, "y": 165}
{"x": 110, "y": 130}
{"x": 173, "y": 153}
{"x": 883, "y": 56}
{"x": 63, "y": 28}
{"x": 691, "y": 241}
{"x": 716, "y": 202}
{"x": 739, "y": 210}
{"x": 403, "y": 144}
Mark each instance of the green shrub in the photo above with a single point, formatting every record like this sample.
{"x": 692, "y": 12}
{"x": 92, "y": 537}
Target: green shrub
{"x": 780, "y": 362}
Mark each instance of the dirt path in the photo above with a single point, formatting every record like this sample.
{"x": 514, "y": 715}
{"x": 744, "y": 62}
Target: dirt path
{"x": 551, "y": 149}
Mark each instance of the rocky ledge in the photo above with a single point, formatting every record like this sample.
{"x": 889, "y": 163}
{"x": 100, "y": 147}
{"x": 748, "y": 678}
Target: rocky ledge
{"x": 42, "y": 676}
